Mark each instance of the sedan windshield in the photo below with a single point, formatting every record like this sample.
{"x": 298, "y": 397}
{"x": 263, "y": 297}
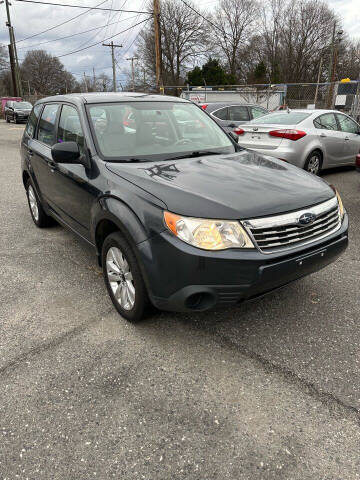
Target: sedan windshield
{"x": 20, "y": 105}
{"x": 131, "y": 131}
{"x": 282, "y": 118}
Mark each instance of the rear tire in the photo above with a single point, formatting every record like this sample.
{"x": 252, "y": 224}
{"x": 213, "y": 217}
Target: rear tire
{"x": 313, "y": 163}
{"x": 123, "y": 278}
{"x": 37, "y": 212}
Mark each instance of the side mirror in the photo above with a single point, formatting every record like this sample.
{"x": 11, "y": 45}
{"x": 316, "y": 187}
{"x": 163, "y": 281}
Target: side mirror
{"x": 66, "y": 152}
{"x": 234, "y": 137}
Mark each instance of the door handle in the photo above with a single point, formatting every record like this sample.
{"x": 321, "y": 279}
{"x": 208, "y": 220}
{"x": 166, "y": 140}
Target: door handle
{"x": 322, "y": 135}
{"x": 30, "y": 152}
{"x": 232, "y": 125}
{"x": 347, "y": 138}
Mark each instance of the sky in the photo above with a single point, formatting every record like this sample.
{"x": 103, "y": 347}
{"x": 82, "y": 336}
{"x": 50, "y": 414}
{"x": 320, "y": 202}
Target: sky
{"x": 31, "y": 19}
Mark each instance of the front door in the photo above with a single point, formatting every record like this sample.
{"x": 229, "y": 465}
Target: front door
{"x": 331, "y": 139}
{"x": 352, "y": 137}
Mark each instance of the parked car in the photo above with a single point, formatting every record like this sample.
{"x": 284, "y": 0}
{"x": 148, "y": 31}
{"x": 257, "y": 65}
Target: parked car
{"x": 310, "y": 139}
{"x": 182, "y": 220}
{"x": 17, "y": 111}
{"x": 230, "y": 115}
{"x": 4, "y": 100}
{"x": 357, "y": 162}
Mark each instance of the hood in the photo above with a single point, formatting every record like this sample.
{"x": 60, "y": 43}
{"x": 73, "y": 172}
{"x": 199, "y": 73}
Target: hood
{"x": 237, "y": 186}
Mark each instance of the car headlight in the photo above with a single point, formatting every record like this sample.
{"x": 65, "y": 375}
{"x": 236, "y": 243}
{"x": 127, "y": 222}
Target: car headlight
{"x": 341, "y": 206}
{"x": 208, "y": 234}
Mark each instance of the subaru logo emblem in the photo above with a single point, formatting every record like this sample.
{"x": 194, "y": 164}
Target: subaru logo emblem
{"x": 307, "y": 218}
{"x": 255, "y": 129}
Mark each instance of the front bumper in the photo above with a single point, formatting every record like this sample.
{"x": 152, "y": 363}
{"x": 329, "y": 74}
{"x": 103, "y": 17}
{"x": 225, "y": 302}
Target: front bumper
{"x": 183, "y": 278}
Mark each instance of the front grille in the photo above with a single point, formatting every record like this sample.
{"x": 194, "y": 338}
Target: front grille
{"x": 282, "y": 232}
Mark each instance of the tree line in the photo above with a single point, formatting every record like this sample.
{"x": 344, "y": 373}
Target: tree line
{"x": 247, "y": 41}
{"x": 239, "y": 42}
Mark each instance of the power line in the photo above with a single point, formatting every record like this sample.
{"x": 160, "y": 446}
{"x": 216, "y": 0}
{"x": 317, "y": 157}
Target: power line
{"x": 202, "y": 16}
{"x": 82, "y": 6}
{"x": 75, "y": 34}
{"x": 59, "y": 24}
{"x": 97, "y": 43}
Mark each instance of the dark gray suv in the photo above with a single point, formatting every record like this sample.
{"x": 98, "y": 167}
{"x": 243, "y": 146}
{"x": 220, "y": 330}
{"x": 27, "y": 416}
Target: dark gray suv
{"x": 179, "y": 215}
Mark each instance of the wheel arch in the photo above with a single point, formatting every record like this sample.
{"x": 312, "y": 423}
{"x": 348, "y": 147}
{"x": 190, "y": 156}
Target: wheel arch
{"x": 112, "y": 215}
{"x": 25, "y": 177}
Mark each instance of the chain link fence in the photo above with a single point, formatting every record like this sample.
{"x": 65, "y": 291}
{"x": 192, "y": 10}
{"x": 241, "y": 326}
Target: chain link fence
{"x": 336, "y": 95}
{"x": 341, "y": 96}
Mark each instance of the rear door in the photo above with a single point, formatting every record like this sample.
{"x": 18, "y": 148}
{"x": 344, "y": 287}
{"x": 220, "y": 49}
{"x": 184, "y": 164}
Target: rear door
{"x": 238, "y": 114}
{"x": 70, "y": 195}
{"x": 39, "y": 150}
{"x": 331, "y": 139}
{"x": 351, "y": 131}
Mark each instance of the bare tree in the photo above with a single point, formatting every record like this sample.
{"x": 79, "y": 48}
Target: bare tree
{"x": 234, "y": 20}
{"x": 183, "y": 38}
{"x": 4, "y": 65}
{"x": 46, "y": 74}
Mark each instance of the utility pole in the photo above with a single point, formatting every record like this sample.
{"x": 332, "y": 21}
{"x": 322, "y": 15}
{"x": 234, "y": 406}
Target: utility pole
{"x": 86, "y": 85}
{"x": 94, "y": 79}
{"x": 336, "y": 39}
{"x": 112, "y": 45}
{"x": 156, "y": 10}
{"x": 318, "y": 80}
{"x": 132, "y": 71}
{"x": 15, "y": 72}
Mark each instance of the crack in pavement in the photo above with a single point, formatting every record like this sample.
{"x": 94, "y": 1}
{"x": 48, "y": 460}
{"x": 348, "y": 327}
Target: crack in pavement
{"x": 53, "y": 343}
{"x": 331, "y": 401}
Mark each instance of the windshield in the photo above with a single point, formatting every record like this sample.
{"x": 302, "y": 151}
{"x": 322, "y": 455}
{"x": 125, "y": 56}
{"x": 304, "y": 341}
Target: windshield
{"x": 19, "y": 105}
{"x": 282, "y": 118}
{"x": 155, "y": 130}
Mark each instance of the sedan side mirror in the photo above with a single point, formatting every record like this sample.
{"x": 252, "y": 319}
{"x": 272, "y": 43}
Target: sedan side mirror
{"x": 66, "y": 152}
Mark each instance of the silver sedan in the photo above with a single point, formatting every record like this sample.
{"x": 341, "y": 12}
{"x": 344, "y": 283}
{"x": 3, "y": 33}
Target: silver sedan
{"x": 310, "y": 139}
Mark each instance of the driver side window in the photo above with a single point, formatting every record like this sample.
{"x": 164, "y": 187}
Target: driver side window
{"x": 69, "y": 129}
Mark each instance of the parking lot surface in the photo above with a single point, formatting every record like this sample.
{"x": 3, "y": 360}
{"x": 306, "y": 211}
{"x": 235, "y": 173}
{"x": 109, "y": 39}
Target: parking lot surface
{"x": 267, "y": 390}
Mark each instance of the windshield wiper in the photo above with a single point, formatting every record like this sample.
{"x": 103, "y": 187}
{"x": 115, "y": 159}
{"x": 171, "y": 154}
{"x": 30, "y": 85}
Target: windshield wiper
{"x": 197, "y": 153}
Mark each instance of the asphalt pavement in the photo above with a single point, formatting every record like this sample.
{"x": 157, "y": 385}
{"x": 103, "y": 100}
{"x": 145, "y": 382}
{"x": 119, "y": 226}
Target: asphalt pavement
{"x": 267, "y": 390}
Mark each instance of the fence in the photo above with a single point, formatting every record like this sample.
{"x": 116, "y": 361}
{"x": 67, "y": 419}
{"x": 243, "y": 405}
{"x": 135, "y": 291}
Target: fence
{"x": 342, "y": 96}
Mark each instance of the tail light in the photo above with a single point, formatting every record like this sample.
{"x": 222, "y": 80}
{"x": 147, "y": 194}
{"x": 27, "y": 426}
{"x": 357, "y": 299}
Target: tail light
{"x": 239, "y": 131}
{"x": 125, "y": 123}
{"x": 204, "y": 106}
{"x": 290, "y": 134}
{"x": 357, "y": 161}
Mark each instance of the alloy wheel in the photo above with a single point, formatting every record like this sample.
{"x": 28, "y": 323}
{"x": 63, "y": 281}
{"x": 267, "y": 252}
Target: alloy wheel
{"x": 120, "y": 278}
{"x": 33, "y": 203}
{"x": 314, "y": 165}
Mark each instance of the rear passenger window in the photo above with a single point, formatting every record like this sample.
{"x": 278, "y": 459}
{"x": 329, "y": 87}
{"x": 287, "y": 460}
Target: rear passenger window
{"x": 258, "y": 112}
{"x": 46, "y": 133}
{"x": 69, "y": 129}
{"x": 221, "y": 114}
{"x": 326, "y": 122}
{"x": 348, "y": 125}
{"x": 239, "y": 114}
{"x": 33, "y": 120}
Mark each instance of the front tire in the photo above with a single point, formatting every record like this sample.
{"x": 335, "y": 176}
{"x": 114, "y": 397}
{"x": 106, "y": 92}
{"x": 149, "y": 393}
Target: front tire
{"x": 123, "y": 278}
{"x": 7, "y": 119}
{"x": 37, "y": 212}
{"x": 313, "y": 163}
{"x": 15, "y": 119}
